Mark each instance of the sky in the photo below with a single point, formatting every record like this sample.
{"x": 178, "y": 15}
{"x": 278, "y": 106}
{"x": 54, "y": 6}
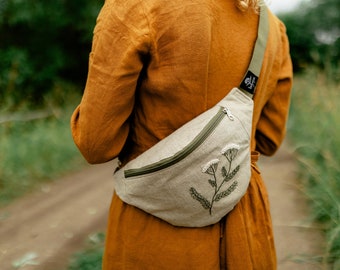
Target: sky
{"x": 282, "y": 5}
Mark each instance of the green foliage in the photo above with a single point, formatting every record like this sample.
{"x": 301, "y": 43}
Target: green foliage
{"x": 91, "y": 257}
{"x": 88, "y": 260}
{"x": 315, "y": 130}
{"x": 43, "y": 42}
{"x": 314, "y": 33}
{"x": 35, "y": 151}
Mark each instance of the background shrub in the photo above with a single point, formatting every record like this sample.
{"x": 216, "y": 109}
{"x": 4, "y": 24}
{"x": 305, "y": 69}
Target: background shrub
{"x": 43, "y": 42}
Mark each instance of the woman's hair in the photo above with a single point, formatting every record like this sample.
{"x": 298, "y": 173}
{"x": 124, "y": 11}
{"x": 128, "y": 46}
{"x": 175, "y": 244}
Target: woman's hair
{"x": 246, "y": 4}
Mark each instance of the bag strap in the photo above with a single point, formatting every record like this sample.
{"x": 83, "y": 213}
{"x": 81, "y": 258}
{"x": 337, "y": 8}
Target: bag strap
{"x": 249, "y": 81}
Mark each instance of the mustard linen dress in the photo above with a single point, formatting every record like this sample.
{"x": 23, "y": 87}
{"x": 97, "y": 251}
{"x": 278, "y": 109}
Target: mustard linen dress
{"x": 154, "y": 65}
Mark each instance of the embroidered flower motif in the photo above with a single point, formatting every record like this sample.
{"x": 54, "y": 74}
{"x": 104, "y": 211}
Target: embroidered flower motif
{"x": 230, "y": 151}
{"x": 211, "y": 167}
{"x": 222, "y": 183}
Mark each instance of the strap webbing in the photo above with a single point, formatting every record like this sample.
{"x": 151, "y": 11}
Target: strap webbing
{"x": 250, "y": 80}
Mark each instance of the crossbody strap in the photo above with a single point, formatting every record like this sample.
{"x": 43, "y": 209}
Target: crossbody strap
{"x": 249, "y": 81}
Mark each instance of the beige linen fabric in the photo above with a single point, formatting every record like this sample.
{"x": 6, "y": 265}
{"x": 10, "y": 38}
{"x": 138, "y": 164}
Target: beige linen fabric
{"x": 200, "y": 189}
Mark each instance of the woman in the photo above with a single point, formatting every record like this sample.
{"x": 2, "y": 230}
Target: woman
{"x": 154, "y": 65}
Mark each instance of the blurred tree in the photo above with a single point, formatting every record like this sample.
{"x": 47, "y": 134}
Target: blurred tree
{"x": 43, "y": 42}
{"x": 325, "y": 17}
{"x": 301, "y": 41}
{"x": 314, "y": 33}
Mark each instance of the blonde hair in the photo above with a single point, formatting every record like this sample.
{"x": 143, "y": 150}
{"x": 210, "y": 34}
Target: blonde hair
{"x": 246, "y": 4}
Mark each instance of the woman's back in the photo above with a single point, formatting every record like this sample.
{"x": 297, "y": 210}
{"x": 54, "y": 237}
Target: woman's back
{"x": 154, "y": 65}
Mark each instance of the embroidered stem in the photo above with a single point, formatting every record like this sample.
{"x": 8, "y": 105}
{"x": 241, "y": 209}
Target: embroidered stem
{"x": 217, "y": 189}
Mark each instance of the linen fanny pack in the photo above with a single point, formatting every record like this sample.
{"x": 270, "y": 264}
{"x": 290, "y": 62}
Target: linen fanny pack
{"x": 197, "y": 174}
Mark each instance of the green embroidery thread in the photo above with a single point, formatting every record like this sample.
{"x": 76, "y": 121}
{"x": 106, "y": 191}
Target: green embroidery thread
{"x": 229, "y": 152}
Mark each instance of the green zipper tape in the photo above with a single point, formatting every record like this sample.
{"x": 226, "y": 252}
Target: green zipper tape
{"x": 196, "y": 142}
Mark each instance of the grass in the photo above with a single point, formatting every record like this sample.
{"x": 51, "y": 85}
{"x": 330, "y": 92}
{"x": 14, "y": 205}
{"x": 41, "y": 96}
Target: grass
{"x": 35, "y": 151}
{"x": 91, "y": 257}
{"x": 314, "y": 129}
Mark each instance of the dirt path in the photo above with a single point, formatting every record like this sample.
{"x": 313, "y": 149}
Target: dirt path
{"x": 46, "y": 227}
{"x": 41, "y": 230}
{"x": 298, "y": 241}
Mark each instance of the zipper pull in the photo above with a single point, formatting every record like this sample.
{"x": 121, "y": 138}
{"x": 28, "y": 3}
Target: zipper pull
{"x": 228, "y": 113}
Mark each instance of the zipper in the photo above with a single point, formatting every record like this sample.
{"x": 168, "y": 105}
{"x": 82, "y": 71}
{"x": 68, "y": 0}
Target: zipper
{"x": 187, "y": 150}
{"x": 228, "y": 112}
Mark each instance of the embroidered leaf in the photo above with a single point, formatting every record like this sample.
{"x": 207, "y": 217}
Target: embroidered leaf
{"x": 212, "y": 183}
{"x": 224, "y": 172}
{"x": 226, "y": 192}
{"x": 232, "y": 174}
{"x": 197, "y": 196}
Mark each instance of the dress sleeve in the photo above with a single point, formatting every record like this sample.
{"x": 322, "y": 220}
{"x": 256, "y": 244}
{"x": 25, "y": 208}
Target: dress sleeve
{"x": 271, "y": 127}
{"x": 100, "y": 123}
